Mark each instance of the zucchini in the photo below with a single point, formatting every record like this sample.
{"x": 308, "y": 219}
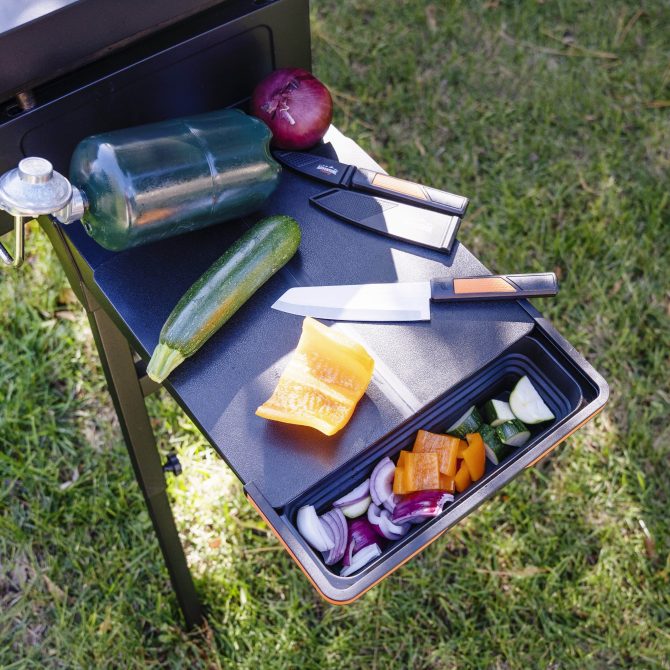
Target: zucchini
{"x": 468, "y": 423}
{"x": 222, "y": 290}
{"x": 527, "y": 404}
{"x": 496, "y": 412}
{"x": 513, "y": 433}
{"x": 495, "y": 449}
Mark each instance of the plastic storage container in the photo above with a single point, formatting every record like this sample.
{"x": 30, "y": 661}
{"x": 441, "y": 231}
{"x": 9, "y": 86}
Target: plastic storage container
{"x": 571, "y": 392}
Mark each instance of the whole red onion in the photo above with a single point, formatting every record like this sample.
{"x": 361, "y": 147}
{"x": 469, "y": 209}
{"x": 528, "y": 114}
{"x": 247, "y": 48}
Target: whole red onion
{"x": 295, "y": 105}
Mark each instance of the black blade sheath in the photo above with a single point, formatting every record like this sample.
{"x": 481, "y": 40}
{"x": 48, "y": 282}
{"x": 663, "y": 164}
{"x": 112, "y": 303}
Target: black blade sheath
{"x": 316, "y": 167}
{"x": 393, "y": 219}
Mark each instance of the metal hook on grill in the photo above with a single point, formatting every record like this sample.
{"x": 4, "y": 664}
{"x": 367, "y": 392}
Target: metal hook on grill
{"x": 19, "y": 242}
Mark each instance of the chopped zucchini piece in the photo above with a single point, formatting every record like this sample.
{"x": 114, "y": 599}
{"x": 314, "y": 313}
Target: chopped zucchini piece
{"x": 513, "y": 433}
{"x": 496, "y": 412}
{"x": 495, "y": 449}
{"x": 468, "y": 423}
{"x": 527, "y": 404}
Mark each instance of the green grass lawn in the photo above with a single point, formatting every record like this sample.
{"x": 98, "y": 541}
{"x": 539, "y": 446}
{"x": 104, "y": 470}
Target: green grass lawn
{"x": 554, "y": 117}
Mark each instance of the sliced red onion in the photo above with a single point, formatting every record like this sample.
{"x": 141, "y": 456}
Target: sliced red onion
{"x": 345, "y": 529}
{"x": 361, "y": 492}
{"x": 336, "y": 527}
{"x": 381, "y": 481}
{"x": 313, "y": 530}
{"x": 390, "y": 530}
{"x": 419, "y": 506}
{"x": 361, "y": 534}
{"x": 391, "y": 502}
{"x": 329, "y": 532}
{"x": 374, "y": 517}
{"x": 363, "y": 557}
{"x": 357, "y": 509}
{"x": 381, "y": 520}
{"x": 373, "y": 514}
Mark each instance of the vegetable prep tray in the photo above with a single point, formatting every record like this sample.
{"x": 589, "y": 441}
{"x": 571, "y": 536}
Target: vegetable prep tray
{"x": 426, "y": 373}
{"x": 568, "y": 388}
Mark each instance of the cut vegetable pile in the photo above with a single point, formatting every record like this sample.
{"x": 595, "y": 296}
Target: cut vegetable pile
{"x": 382, "y": 509}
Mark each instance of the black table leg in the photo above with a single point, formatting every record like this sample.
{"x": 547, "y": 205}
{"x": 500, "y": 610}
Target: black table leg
{"x": 128, "y": 397}
{"x": 124, "y": 387}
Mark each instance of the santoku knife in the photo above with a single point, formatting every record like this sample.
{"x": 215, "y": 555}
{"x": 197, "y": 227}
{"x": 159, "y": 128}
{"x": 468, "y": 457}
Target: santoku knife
{"x": 409, "y": 301}
{"x": 361, "y": 179}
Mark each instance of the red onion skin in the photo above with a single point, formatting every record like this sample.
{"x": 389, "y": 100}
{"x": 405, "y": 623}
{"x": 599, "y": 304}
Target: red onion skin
{"x": 361, "y": 534}
{"x": 296, "y": 107}
{"x": 419, "y": 506}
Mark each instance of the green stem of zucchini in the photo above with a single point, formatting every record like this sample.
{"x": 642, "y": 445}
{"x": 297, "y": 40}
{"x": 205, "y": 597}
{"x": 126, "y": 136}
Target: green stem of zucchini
{"x": 163, "y": 361}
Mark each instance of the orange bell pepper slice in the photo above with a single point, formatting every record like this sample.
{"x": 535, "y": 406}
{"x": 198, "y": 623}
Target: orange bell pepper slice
{"x": 446, "y": 446}
{"x": 416, "y": 472}
{"x": 447, "y": 484}
{"x": 475, "y": 456}
{"x": 400, "y": 482}
{"x": 462, "y": 479}
{"x": 426, "y": 442}
{"x": 447, "y": 461}
{"x": 426, "y": 472}
{"x": 323, "y": 381}
{"x": 462, "y": 446}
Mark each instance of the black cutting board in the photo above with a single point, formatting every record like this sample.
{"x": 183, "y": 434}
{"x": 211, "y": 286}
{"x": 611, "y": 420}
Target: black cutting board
{"x": 222, "y": 385}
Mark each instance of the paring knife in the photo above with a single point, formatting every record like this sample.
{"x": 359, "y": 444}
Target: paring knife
{"x": 409, "y": 301}
{"x": 415, "y": 225}
{"x": 361, "y": 179}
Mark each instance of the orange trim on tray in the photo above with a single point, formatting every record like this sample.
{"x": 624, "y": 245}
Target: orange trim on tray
{"x": 405, "y": 560}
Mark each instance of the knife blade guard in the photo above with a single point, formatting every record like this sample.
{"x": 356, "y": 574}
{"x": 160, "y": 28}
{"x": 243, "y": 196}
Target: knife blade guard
{"x": 422, "y": 227}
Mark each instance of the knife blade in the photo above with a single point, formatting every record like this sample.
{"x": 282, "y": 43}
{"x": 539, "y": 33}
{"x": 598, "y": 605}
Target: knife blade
{"x": 415, "y": 225}
{"x": 409, "y": 301}
{"x": 361, "y": 179}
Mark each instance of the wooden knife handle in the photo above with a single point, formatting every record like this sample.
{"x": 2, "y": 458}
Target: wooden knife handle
{"x": 494, "y": 287}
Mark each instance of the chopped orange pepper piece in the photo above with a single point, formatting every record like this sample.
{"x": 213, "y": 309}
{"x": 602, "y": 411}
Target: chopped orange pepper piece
{"x": 447, "y": 483}
{"x": 427, "y": 442}
{"x": 402, "y": 459}
{"x": 400, "y": 482}
{"x": 423, "y": 472}
{"x": 446, "y": 446}
{"x": 475, "y": 456}
{"x": 462, "y": 479}
{"x": 447, "y": 460}
{"x": 416, "y": 472}
{"x": 462, "y": 446}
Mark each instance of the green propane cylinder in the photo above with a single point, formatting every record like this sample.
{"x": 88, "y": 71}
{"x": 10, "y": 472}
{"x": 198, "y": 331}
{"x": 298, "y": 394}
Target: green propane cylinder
{"x": 150, "y": 182}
